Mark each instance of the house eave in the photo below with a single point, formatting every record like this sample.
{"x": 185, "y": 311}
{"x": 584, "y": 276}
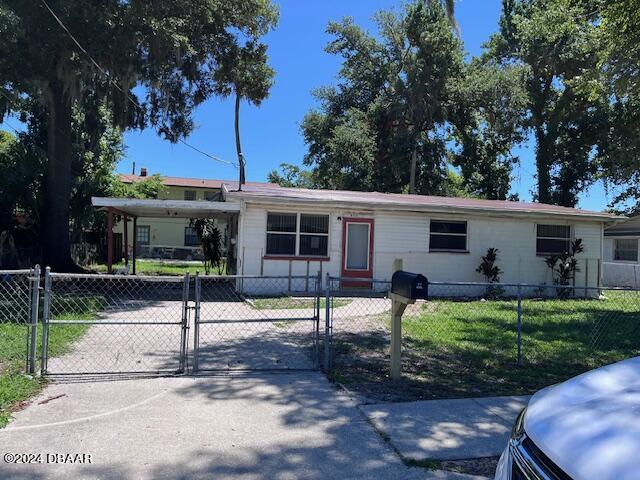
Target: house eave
{"x": 267, "y": 199}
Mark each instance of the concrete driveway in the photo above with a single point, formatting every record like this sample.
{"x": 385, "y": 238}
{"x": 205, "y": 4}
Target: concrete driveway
{"x": 277, "y": 426}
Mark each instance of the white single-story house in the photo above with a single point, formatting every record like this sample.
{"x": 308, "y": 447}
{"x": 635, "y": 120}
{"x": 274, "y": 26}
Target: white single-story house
{"x": 621, "y": 256}
{"x": 277, "y": 231}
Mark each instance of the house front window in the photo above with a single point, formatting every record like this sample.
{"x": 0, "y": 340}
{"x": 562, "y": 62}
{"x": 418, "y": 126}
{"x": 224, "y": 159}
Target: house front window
{"x": 293, "y": 234}
{"x": 553, "y": 239}
{"x": 190, "y": 237}
{"x": 189, "y": 194}
{"x": 445, "y": 236}
{"x": 626, "y": 249}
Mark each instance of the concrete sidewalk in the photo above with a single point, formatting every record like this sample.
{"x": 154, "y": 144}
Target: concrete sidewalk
{"x": 447, "y": 429}
{"x": 270, "y": 426}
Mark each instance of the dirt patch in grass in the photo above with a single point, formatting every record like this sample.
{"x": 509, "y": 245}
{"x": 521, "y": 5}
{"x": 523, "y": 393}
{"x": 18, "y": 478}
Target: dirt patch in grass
{"x": 458, "y": 349}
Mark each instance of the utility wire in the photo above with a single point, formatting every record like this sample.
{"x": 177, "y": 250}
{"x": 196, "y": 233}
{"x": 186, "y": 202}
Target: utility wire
{"x": 126, "y": 93}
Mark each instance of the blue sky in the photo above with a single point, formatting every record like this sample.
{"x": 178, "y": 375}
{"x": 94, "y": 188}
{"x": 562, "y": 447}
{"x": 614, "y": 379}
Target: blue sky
{"x": 271, "y": 132}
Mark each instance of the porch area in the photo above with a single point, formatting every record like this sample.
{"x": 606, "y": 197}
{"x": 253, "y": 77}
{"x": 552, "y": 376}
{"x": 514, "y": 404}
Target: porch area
{"x": 133, "y": 209}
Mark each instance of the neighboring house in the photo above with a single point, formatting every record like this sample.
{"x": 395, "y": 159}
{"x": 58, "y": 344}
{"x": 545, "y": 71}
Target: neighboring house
{"x": 622, "y": 254}
{"x": 277, "y": 231}
{"x": 173, "y": 237}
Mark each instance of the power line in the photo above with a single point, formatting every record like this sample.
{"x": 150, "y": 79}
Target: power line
{"x": 126, "y": 93}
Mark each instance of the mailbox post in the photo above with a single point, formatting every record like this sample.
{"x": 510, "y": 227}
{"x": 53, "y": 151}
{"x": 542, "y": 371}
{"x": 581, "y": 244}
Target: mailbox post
{"x": 405, "y": 289}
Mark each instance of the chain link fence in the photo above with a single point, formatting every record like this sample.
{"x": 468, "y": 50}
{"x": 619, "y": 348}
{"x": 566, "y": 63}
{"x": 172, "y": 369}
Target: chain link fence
{"x": 479, "y": 339}
{"x": 18, "y": 314}
{"x": 468, "y": 339}
{"x": 256, "y": 323}
{"x": 113, "y": 324}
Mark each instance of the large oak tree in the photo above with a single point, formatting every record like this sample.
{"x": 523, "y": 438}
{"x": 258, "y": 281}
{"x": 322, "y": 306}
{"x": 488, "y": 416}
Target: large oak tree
{"x": 150, "y": 62}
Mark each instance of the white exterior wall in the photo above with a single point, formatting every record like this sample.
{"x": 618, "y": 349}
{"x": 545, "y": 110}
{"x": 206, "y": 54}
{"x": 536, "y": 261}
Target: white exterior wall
{"x": 619, "y": 273}
{"x": 406, "y": 235}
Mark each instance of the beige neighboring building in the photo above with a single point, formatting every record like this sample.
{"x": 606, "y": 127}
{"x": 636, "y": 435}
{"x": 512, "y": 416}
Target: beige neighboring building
{"x": 173, "y": 238}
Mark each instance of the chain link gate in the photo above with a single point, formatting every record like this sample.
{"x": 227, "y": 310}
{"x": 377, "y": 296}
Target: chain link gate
{"x": 117, "y": 324}
{"x": 256, "y": 323}
{"x": 114, "y": 324}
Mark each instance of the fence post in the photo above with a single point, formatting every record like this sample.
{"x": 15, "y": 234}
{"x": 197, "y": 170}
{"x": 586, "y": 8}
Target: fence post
{"x": 33, "y": 326}
{"x": 317, "y": 319}
{"x": 196, "y": 324}
{"x": 45, "y": 320}
{"x": 519, "y": 360}
{"x": 185, "y": 323}
{"x": 327, "y": 323}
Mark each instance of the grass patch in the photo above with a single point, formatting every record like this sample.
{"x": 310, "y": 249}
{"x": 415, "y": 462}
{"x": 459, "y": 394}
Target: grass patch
{"x": 290, "y": 303}
{"x": 454, "y": 349}
{"x": 15, "y": 387}
{"x": 157, "y": 267}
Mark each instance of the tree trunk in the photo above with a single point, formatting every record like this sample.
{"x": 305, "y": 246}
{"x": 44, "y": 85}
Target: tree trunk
{"x": 412, "y": 172}
{"x": 238, "y": 145}
{"x": 56, "y": 246}
{"x": 543, "y": 166}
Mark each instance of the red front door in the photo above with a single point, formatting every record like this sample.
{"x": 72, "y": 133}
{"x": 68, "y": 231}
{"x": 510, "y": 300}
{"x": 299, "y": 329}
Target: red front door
{"x": 357, "y": 251}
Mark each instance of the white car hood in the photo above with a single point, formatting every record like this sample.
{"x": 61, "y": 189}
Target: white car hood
{"x": 590, "y": 425}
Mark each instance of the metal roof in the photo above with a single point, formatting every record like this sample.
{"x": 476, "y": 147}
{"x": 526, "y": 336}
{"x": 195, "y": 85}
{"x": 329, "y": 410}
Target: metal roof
{"x": 373, "y": 200}
{"x": 166, "y": 208}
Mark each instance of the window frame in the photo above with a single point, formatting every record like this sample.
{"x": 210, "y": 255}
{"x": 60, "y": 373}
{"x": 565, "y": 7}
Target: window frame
{"x": 450, "y": 250}
{"x": 184, "y": 240}
{"x": 568, "y": 239}
{"x": 615, "y": 249}
{"x": 195, "y": 194}
{"x": 146, "y": 228}
{"x": 298, "y": 234}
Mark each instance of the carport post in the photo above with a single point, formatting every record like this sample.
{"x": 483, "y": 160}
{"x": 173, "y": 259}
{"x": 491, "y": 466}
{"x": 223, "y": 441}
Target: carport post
{"x": 126, "y": 240}
{"x": 109, "y": 240}
{"x": 135, "y": 242}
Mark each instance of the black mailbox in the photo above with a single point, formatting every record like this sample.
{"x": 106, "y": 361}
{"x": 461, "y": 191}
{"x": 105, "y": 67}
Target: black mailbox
{"x": 410, "y": 285}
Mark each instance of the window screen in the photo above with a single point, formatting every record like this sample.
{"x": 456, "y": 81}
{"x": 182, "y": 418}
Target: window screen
{"x": 626, "y": 249}
{"x": 553, "y": 239}
{"x": 281, "y": 233}
{"x": 448, "y": 236}
{"x": 314, "y": 235}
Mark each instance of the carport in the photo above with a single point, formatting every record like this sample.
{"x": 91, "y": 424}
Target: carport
{"x": 135, "y": 208}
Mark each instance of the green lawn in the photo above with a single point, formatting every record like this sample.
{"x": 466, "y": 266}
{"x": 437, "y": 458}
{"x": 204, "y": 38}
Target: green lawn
{"x": 469, "y": 348}
{"x": 15, "y": 386}
{"x": 157, "y": 267}
{"x": 289, "y": 303}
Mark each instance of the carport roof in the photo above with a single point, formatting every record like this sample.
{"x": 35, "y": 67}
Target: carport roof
{"x": 150, "y": 208}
